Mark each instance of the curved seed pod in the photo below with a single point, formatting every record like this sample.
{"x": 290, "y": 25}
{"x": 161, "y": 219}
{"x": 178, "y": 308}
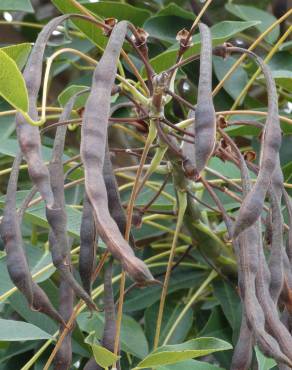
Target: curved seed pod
{"x": 255, "y": 292}
{"x": 16, "y": 260}
{"x": 114, "y": 201}
{"x": 252, "y": 205}
{"x": 276, "y": 256}
{"x": 205, "y": 118}
{"x": 17, "y": 265}
{"x": 56, "y": 215}
{"x": 249, "y": 259}
{"x": 109, "y": 332}
{"x": 93, "y": 142}
{"x": 28, "y": 135}
{"x": 242, "y": 354}
{"x": 42, "y": 304}
{"x": 273, "y": 323}
{"x": 87, "y": 252}
{"x": 63, "y": 358}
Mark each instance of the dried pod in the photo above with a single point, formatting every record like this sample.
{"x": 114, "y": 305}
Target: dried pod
{"x": 204, "y": 128}
{"x": 87, "y": 252}
{"x": 93, "y": 142}
{"x": 253, "y": 203}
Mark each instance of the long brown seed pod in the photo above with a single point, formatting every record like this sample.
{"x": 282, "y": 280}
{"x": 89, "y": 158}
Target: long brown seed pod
{"x": 28, "y": 135}
{"x": 87, "y": 252}
{"x": 16, "y": 260}
{"x": 63, "y": 358}
{"x": 17, "y": 265}
{"x": 109, "y": 331}
{"x": 255, "y": 288}
{"x": 56, "y": 215}
{"x": 253, "y": 203}
{"x": 277, "y": 245}
{"x": 205, "y": 118}
{"x": 93, "y": 142}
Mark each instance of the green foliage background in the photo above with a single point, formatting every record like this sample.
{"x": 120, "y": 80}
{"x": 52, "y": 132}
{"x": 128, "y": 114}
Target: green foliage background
{"x": 216, "y": 311}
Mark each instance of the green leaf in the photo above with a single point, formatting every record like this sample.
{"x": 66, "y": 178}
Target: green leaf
{"x": 190, "y": 365}
{"x": 221, "y": 32}
{"x": 19, "y": 53}
{"x": 17, "y": 5}
{"x": 166, "y": 27}
{"x": 12, "y": 331}
{"x": 216, "y": 326}
{"x": 90, "y": 30}
{"x": 12, "y": 85}
{"x": 283, "y": 78}
{"x": 171, "y": 312}
{"x": 173, "y": 9}
{"x": 236, "y": 82}
{"x": 102, "y": 356}
{"x": 69, "y": 92}
{"x": 229, "y": 302}
{"x": 108, "y": 9}
{"x": 179, "y": 352}
{"x": 132, "y": 336}
{"x": 264, "y": 363}
{"x": 137, "y": 300}
{"x": 250, "y": 13}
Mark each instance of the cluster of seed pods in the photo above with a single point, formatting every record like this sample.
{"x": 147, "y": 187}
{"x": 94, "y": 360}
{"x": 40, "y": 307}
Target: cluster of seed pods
{"x": 263, "y": 284}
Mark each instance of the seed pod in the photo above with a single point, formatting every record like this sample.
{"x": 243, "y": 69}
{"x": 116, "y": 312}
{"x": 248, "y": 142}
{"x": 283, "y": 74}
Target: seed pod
{"x": 56, "y": 215}
{"x": 277, "y": 246}
{"x": 17, "y": 265}
{"x": 28, "y": 135}
{"x": 93, "y": 142}
{"x": 205, "y": 118}
{"x": 87, "y": 245}
{"x": 254, "y": 277}
{"x": 242, "y": 354}
{"x": 114, "y": 201}
{"x": 16, "y": 260}
{"x": 253, "y": 203}
{"x": 63, "y": 358}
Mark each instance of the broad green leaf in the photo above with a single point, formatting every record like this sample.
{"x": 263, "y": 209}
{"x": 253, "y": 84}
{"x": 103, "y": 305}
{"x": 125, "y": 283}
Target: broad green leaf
{"x": 250, "y": 13}
{"x": 264, "y": 363}
{"x": 171, "y": 312}
{"x": 12, "y": 85}
{"x": 122, "y": 11}
{"x": 89, "y": 29}
{"x": 102, "y": 356}
{"x": 137, "y": 300}
{"x": 190, "y": 365}
{"x": 236, "y": 82}
{"x": 19, "y": 53}
{"x": 217, "y": 326}
{"x": 16, "y": 5}
{"x": 69, "y": 92}
{"x": 172, "y": 354}
{"x": 229, "y": 302}
{"x": 166, "y": 27}
{"x": 283, "y": 78}
{"x": 12, "y": 331}
{"x": 173, "y": 9}
{"x": 132, "y": 336}
{"x": 221, "y": 32}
